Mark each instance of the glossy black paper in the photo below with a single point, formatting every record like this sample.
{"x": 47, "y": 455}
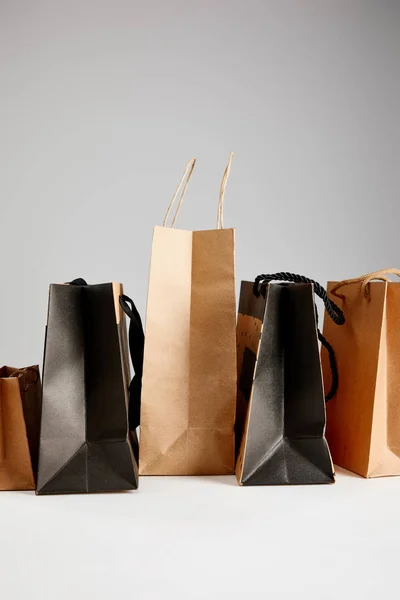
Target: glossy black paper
{"x": 84, "y": 442}
{"x": 285, "y": 436}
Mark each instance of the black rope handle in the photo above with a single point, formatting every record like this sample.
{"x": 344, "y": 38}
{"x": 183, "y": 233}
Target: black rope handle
{"x": 335, "y": 313}
{"x": 78, "y": 281}
{"x": 136, "y": 349}
{"x": 333, "y": 365}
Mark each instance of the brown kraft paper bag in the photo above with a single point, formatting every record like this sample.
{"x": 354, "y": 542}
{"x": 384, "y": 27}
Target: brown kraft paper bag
{"x": 363, "y": 420}
{"x": 20, "y": 408}
{"x": 189, "y": 371}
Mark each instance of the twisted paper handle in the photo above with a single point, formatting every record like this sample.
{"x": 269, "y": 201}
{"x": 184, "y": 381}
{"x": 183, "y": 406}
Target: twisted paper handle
{"x": 19, "y": 372}
{"x": 220, "y": 214}
{"x": 365, "y": 280}
{"x": 187, "y": 174}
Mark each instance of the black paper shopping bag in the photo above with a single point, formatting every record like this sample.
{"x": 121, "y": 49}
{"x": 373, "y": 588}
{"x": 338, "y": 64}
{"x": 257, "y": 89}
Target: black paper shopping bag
{"x": 280, "y": 422}
{"x": 85, "y": 443}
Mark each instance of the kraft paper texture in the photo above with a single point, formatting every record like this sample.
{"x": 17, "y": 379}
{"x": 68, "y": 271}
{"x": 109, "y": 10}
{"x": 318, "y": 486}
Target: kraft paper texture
{"x": 189, "y": 373}
{"x": 363, "y": 420}
{"x": 16, "y": 469}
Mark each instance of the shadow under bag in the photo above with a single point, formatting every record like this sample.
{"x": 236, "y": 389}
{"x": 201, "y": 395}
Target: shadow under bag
{"x": 85, "y": 445}
{"x": 280, "y": 423}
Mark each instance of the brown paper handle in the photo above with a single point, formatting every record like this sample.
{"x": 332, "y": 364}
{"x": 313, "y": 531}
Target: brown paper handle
{"x": 365, "y": 280}
{"x": 186, "y": 175}
{"x": 22, "y": 372}
{"x": 220, "y": 213}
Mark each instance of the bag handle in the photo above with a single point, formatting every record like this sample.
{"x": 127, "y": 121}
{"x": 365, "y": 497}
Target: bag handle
{"x": 365, "y": 280}
{"x": 332, "y": 309}
{"x": 220, "y": 213}
{"x": 136, "y": 350}
{"x": 24, "y": 371}
{"x": 78, "y": 281}
{"x": 187, "y": 174}
{"x": 335, "y": 313}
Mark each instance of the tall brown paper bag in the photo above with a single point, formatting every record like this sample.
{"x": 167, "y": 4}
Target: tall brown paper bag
{"x": 363, "y": 420}
{"x": 189, "y": 371}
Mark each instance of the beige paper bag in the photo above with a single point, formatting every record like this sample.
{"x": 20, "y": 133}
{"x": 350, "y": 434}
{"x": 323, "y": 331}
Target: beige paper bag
{"x": 189, "y": 371}
{"x": 363, "y": 419}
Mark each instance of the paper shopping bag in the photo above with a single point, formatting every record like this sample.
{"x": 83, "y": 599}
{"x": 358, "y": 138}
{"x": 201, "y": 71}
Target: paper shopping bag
{"x": 85, "y": 444}
{"x": 20, "y": 404}
{"x": 363, "y": 420}
{"x": 189, "y": 372}
{"x": 281, "y": 408}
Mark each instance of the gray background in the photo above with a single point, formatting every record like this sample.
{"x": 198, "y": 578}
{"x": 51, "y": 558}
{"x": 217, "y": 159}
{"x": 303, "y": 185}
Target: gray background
{"x": 103, "y": 103}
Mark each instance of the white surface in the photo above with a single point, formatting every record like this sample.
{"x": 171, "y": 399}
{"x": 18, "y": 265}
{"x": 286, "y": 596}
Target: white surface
{"x": 204, "y": 538}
